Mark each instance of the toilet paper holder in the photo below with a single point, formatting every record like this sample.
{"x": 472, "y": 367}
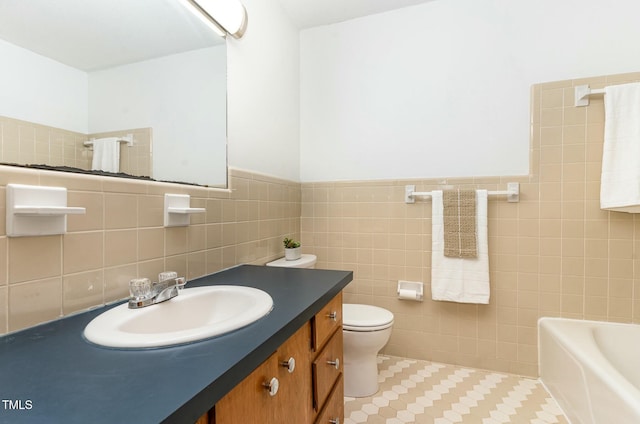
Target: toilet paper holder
{"x": 410, "y": 290}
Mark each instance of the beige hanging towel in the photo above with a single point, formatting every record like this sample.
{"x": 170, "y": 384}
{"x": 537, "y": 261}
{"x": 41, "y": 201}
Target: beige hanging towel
{"x": 459, "y": 214}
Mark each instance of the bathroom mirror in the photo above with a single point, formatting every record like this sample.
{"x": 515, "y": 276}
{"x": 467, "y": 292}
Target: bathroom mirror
{"x": 76, "y": 70}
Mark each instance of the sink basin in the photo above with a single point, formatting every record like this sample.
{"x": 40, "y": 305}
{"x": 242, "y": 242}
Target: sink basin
{"x": 195, "y": 314}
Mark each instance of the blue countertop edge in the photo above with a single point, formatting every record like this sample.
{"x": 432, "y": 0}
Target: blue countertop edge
{"x": 51, "y": 374}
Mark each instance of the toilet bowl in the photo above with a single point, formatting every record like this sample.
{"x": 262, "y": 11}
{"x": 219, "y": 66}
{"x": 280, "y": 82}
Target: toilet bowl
{"x": 305, "y": 261}
{"x": 366, "y": 330}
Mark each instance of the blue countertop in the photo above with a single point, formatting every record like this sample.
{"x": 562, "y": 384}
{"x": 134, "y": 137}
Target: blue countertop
{"x": 51, "y": 374}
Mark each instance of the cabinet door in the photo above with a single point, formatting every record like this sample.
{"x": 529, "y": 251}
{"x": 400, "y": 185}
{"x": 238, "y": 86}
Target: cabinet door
{"x": 327, "y": 368}
{"x": 250, "y": 401}
{"x": 204, "y": 419}
{"x": 333, "y": 412}
{"x": 295, "y": 397}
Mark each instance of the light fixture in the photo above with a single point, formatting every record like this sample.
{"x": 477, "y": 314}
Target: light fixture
{"x": 223, "y": 16}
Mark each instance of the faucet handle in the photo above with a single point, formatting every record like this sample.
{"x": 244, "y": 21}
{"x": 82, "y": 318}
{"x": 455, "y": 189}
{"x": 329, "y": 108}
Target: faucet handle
{"x": 181, "y": 282}
{"x": 140, "y": 288}
{"x": 167, "y": 275}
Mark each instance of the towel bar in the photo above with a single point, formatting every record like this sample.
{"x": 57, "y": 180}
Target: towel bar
{"x": 126, "y": 139}
{"x": 512, "y": 192}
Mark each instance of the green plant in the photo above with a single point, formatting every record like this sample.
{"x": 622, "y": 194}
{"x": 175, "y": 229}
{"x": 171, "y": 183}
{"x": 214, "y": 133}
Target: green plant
{"x": 290, "y": 243}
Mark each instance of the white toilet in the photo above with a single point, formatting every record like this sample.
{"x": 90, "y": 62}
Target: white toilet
{"x": 305, "y": 261}
{"x": 366, "y": 330}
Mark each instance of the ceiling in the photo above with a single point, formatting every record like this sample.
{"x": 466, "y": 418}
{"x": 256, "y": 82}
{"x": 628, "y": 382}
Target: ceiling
{"x": 97, "y": 34}
{"x": 310, "y": 13}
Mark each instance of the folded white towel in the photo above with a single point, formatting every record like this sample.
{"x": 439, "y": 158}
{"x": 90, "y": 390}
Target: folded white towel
{"x": 457, "y": 279}
{"x": 620, "y": 180}
{"x": 106, "y": 154}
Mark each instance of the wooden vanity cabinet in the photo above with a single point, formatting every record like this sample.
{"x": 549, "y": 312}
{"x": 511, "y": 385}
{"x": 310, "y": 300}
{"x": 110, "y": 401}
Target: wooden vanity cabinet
{"x": 309, "y": 392}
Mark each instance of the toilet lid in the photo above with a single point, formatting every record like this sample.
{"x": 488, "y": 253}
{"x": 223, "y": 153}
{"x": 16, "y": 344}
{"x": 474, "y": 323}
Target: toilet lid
{"x": 357, "y": 317}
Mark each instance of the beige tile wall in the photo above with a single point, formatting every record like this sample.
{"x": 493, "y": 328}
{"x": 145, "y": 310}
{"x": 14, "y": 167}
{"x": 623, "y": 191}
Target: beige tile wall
{"x": 24, "y": 143}
{"x": 27, "y": 143}
{"x": 122, "y": 237}
{"x": 553, "y": 254}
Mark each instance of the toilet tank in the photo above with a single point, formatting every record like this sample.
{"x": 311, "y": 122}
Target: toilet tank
{"x": 305, "y": 261}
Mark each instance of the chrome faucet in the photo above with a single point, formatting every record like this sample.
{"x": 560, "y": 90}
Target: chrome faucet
{"x": 144, "y": 293}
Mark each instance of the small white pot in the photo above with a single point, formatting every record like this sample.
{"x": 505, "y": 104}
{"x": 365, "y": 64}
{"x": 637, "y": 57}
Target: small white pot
{"x": 293, "y": 254}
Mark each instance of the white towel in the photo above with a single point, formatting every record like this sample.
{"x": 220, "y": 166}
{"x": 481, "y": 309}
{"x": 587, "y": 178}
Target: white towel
{"x": 106, "y": 154}
{"x": 457, "y": 279}
{"x": 620, "y": 180}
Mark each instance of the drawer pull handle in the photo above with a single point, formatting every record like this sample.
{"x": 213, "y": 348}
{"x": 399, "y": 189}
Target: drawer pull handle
{"x": 335, "y": 363}
{"x": 272, "y": 386}
{"x": 289, "y": 364}
{"x": 333, "y": 316}
{"x": 335, "y": 421}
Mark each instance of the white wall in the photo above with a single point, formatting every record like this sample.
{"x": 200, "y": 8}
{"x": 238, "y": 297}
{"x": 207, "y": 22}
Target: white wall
{"x": 37, "y": 89}
{"x": 182, "y": 97}
{"x": 442, "y": 89}
{"x": 263, "y": 87}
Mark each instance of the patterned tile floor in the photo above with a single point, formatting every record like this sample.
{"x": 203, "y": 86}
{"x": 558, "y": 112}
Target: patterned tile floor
{"x": 424, "y": 392}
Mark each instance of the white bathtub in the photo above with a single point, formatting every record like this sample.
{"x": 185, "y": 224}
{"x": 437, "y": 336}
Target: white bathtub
{"x": 592, "y": 369}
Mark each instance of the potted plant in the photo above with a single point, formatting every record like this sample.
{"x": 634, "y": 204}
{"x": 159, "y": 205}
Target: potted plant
{"x": 292, "y": 249}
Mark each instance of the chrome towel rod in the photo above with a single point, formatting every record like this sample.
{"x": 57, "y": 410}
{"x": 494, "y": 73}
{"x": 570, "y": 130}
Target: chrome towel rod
{"x": 512, "y": 192}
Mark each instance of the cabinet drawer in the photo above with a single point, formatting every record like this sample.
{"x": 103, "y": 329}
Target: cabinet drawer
{"x": 327, "y": 368}
{"x": 333, "y": 412}
{"x": 326, "y": 321}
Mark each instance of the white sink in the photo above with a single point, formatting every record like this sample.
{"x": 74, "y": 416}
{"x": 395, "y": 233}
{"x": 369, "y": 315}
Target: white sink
{"x": 195, "y": 314}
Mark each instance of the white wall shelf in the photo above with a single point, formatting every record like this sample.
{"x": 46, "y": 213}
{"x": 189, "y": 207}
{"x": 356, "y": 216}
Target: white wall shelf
{"x": 37, "y": 210}
{"x": 177, "y": 210}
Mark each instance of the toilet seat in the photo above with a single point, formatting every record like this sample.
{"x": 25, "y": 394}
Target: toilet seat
{"x": 357, "y": 317}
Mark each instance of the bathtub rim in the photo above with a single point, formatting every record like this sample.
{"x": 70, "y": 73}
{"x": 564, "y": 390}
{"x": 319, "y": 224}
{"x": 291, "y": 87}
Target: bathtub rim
{"x": 597, "y": 363}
